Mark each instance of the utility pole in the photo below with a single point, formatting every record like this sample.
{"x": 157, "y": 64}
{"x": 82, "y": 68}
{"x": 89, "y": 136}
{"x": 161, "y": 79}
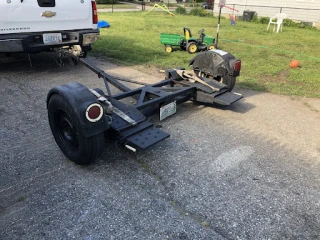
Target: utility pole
{"x": 222, "y": 3}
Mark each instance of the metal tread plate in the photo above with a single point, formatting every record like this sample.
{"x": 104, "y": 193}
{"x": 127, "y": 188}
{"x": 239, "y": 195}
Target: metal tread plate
{"x": 133, "y": 130}
{"x": 147, "y": 137}
{"x": 227, "y": 98}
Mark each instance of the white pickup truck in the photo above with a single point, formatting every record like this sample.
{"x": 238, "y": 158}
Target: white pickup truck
{"x": 33, "y": 26}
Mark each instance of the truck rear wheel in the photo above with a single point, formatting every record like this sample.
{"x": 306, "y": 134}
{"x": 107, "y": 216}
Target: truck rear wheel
{"x": 66, "y": 130}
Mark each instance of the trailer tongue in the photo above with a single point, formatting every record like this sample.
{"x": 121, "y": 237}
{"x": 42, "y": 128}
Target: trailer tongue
{"x": 80, "y": 118}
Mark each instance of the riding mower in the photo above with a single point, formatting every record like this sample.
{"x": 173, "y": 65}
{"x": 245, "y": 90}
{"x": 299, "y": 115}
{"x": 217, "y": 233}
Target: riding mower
{"x": 187, "y": 42}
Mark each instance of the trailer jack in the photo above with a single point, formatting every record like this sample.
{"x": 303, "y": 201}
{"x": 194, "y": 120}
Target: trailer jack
{"x": 81, "y": 118}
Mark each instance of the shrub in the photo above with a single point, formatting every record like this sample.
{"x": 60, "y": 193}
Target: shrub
{"x": 181, "y": 10}
{"x": 254, "y": 18}
{"x": 264, "y": 20}
{"x": 199, "y": 12}
{"x": 303, "y": 25}
{"x": 289, "y": 23}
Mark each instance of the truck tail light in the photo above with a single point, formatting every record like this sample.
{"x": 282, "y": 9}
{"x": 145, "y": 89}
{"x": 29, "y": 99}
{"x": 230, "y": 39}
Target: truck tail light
{"x": 237, "y": 66}
{"x": 94, "y": 112}
{"x": 94, "y": 12}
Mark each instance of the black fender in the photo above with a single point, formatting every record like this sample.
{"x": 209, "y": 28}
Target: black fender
{"x": 80, "y": 97}
{"x": 215, "y": 62}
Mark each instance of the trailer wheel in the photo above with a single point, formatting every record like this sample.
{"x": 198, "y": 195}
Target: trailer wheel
{"x": 168, "y": 48}
{"x": 66, "y": 130}
{"x": 192, "y": 47}
{"x": 230, "y": 81}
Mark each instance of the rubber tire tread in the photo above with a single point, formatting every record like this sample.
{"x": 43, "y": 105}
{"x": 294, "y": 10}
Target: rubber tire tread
{"x": 90, "y": 148}
{"x": 229, "y": 81}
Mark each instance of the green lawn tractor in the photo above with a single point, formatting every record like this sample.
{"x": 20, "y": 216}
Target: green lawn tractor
{"x": 187, "y": 42}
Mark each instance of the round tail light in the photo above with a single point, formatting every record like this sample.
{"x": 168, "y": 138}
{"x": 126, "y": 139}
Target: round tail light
{"x": 94, "y": 112}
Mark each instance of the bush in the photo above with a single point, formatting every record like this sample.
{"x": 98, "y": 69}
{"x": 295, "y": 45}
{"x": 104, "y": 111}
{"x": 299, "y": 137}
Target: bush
{"x": 199, "y": 12}
{"x": 255, "y": 18}
{"x": 264, "y": 20}
{"x": 181, "y": 10}
{"x": 289, "y": 23}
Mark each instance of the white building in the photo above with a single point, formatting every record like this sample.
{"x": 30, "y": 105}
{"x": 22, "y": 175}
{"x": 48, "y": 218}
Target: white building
{"x": 298, "y": 10}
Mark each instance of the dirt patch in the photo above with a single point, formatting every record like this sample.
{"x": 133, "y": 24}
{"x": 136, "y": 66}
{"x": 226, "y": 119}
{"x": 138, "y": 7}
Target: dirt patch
{"x": 152, "y": 71}
{"x": 282, "y": 77}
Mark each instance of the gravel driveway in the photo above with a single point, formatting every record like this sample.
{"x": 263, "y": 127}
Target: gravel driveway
{"x": 249, "y": 171}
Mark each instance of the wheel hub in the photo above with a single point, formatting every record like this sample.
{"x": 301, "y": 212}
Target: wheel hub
{"x": 67, "y": 132}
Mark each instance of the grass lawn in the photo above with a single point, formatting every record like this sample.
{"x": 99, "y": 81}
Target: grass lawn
{"x": 116, "y": 6}
{"x": 133, "y": 39}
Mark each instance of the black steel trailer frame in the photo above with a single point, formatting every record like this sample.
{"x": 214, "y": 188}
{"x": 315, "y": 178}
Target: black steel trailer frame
{"x": 126, "y": 124}
{"x": 180, "y": 93}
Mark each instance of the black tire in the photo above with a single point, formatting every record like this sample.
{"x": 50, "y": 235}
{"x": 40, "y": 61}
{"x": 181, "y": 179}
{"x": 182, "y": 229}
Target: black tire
{"x": 192, "y": 47}
{"x": 66, "y": 130}
{"x": 183, "y": 45}
{"x": 230, "y": 81}
{"x": 85, "y": 50}
{"x": 84, "y": 54}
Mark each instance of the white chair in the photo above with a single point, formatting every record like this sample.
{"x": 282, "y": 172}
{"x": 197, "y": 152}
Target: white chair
{"x": 279, "y": 17}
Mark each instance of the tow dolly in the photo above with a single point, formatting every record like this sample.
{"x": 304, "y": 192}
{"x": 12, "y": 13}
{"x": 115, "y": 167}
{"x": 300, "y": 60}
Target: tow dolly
{"x": 81, "y": 118}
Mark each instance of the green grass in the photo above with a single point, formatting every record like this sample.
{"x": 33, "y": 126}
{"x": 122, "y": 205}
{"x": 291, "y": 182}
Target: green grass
{"x": 116, "y": 6}
{"x": 133, "y": 39}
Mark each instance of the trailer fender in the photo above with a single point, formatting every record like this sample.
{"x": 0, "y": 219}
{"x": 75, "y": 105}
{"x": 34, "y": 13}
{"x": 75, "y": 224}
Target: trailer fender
{"x": 80, "y": 97}
{"x": 215, "y": 63}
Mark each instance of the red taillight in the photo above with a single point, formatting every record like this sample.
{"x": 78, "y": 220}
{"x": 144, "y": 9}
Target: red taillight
{"x": 237, "y": 66}
{"x": 94, "y": 112}
{"x": 94, "y": 13}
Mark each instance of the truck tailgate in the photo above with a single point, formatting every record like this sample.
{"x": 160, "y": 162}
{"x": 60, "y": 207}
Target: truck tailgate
{"x": 18, "y": 16}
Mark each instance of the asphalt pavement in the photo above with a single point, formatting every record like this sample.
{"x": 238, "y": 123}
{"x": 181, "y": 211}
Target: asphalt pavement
{"x": 248, "y": 171}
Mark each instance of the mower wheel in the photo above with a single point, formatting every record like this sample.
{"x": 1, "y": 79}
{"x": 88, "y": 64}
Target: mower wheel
{"x": 66, "y": 130}
{"x": 192, "y": 47}
{"x": 183, "y": 45}
{"x": 168, "y": 48}
{"x": 230, "y": 81}
{"x": 211, "y": 47}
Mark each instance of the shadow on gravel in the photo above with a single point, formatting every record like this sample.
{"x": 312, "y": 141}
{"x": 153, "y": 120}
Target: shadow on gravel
{"x": 240, "y": 106}
{"x": 41, "y": 62}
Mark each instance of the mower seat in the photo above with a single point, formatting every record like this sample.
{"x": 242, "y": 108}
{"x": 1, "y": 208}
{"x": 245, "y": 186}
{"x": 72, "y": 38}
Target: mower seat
{"x": 187, "y": 33}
